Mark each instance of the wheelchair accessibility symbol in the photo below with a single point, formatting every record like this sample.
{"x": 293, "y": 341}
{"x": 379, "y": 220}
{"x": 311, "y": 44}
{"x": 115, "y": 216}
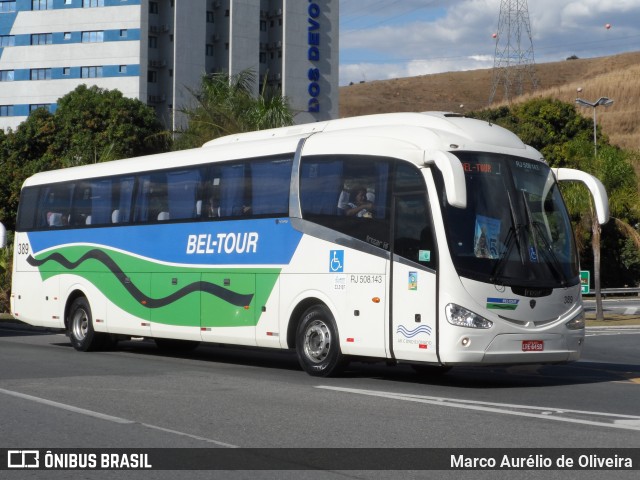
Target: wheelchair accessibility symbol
{"x": 336, "y": 261}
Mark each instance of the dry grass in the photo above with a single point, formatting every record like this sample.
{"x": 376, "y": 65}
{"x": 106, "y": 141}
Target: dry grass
{"x": 616, "y": 77}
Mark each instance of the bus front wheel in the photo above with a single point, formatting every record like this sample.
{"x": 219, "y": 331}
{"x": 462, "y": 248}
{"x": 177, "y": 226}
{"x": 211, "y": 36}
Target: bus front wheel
{"x": 317, "y": 343}
{"x": 80, "y": 327}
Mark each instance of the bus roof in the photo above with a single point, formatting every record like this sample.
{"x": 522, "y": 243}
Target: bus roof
{"x": 455, "y": 131}
{"x": 421, "y": 131}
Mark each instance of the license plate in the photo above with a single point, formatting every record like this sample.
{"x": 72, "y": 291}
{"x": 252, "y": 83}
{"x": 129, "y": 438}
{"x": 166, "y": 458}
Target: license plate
{"x": 532, "y": 345}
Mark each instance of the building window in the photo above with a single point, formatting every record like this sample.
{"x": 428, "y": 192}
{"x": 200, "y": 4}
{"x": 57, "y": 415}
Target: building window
{"x": 122, "y": 69}
{"x": 263, "y": 25}
{"x": 41, "y": 39}
{"x": 6, "y": 75}
{"x": 152, "y": 76}
{"x": 66, "y": 71}
{"x": 41, "y": 4}
{"x": 67, "y": 35}
{"x": 153, "y": 7}
{"x": 209, "y": 49}
{"x": 36, "y": 106}
{"x": 123, "y": 33}
{"x": 40, "y": 74}
{"x": 263, "y": 57}
{"x": 6, "y": 7}
{"x": 6, "y": 110}
{"x": 91, "y": 72}
{"x": 210, "y": 16}
{"x": 153, "y": 41}
{"x": 93, "y": 37}
{"x": 92, "y": 3}
{"x": 7, "y": 40}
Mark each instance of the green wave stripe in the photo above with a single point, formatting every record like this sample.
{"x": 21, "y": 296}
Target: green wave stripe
{"x": 157, "y": 281}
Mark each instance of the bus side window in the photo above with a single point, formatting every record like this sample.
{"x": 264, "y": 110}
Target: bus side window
{"x": 232, "y": 190}
{"x": 413, "y": 230}
{"x": 270, "y": 186}
{"x": 57, "y": 205}
{"x": 182, "y": 191}
{"x": 81, "y": 204}
{"x": 349, "y": 194}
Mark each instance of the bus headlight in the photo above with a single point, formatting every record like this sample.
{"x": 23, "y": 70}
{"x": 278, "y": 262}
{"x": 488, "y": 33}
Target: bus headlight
{"x": 577, "y": 322}
{"x": 457, "y": 315}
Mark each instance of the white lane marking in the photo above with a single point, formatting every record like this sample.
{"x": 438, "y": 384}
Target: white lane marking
{"x": 64, "y": 406}
{"x": 630, "y": 311}
{"x": 109, "y": 418}
{"x": 195, "y": 437}
{"x": 613, "y": 330}
{"x": 621, "y": 421}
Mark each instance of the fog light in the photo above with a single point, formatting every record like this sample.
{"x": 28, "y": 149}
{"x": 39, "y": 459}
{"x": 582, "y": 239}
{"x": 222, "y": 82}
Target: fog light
{"x": 466, "y": 342}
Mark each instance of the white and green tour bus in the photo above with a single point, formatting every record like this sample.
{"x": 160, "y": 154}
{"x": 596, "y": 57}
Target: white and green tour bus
{"x": 422, "y": 238}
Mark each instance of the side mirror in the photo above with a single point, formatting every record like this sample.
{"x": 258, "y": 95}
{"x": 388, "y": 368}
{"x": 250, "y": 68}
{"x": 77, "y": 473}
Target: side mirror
{"x": 594, "y": 185}
{"x": 453, "y": 175}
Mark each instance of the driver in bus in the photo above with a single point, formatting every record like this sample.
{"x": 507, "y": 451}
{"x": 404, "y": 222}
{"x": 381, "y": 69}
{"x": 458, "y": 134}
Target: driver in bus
{"x": 358, "y": 205}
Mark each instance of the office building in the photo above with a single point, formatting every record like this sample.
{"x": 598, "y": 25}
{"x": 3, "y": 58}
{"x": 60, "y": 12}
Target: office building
{"x": 158, "y": 50}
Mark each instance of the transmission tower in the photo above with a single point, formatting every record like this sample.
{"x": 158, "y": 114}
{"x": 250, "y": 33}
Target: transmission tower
{"x": 513, "y": 62}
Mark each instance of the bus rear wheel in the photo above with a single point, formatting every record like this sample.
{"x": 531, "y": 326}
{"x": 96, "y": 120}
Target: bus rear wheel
{"x": 317, "y": 343}
{"x": 80, "y": 327}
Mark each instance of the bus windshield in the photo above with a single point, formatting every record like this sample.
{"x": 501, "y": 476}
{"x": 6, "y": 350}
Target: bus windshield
{"x": 515, "y": 230}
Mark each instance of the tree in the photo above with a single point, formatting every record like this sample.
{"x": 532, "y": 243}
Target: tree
{"x": 97, "y": 125}
{"x": 545, "y": 124}
{"x": 225, "y": 105}
{"x": 613, "y": 167}
{"x": 89, "y": 125}
{"x": 23, "y": 152}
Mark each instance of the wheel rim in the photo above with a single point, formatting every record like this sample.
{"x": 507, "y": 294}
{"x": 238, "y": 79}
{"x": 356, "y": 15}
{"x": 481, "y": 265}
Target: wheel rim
{"x": 317, "y": 341}
{"x": 80, "y": 324}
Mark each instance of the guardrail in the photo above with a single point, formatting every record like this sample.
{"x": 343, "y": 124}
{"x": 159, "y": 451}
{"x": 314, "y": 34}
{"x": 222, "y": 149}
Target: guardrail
{"x": 614, "y": 291}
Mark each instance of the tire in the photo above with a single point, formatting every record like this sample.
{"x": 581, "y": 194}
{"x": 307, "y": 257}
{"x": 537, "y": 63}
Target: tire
{"x": 80, "y": 327}
{"x": 430, "y": 370}
{"x": 318, "y": 344}
{"x": 172, "y": 345}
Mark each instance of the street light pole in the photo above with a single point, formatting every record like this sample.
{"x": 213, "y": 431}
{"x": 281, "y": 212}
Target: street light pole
{"x": 607, "y": 102}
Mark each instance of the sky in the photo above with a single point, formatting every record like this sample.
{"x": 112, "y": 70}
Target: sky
{"x": 383, "y": 39}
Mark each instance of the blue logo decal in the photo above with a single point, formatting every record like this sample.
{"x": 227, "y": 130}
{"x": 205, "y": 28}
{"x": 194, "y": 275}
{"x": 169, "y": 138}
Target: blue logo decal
{"x": 404, "y": 331}
{"x": 336, "y": 261}
{"x": 238, "y": 242}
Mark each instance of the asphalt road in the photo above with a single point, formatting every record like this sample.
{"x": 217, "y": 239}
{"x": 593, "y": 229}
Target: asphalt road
{"x": 618, "y": 306}
{"x": 221, "y": 397}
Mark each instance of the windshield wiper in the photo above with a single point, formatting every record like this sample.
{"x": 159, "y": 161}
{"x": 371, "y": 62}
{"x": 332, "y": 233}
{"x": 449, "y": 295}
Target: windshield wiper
{"x": 537, "y": 232}
{"x": 513, "y": 237}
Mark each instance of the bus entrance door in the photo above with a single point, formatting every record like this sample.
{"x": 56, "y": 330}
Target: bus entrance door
{"x": 412, "y": 331}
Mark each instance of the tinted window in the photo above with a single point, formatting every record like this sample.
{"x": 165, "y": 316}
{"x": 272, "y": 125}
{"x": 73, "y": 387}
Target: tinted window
{"x": 349, "y": 194}
{"x": 253, "y": 187}
{"x": 413, "y": 228}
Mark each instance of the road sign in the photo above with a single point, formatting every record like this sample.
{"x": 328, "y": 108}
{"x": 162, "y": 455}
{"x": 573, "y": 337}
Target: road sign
{"x": 585, "y": 281}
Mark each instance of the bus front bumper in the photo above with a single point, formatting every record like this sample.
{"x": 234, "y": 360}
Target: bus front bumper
{"x": 519, "y": 349}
